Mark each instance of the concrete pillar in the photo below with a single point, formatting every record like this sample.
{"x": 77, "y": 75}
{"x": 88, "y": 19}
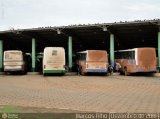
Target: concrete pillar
{"x": 112, "y": 50}
{"x": 159, "y": 50}
{"x": 1, "y": 55}
{"x": 70, "y": 52}
{"x": 33, "y": 54}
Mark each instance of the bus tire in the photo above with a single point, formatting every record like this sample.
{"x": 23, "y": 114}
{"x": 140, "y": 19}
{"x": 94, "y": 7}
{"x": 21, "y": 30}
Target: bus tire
{"x": 121, "y": 73}
{"x": 5, "y": 73}
{"x": 23, "y": 73}
{"x": 81, "y": 72}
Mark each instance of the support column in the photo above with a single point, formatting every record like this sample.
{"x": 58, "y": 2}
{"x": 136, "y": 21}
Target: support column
{"x": 1, "y": 55}
{"x": 70, "y": 52}
{"x": 112, "y": 50}
{"x": 33, "y": 54}
{"x": 159, "y": 50}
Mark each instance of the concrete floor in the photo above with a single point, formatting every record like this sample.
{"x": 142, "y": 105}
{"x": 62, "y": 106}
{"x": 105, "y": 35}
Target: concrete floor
{"x": 84, "y": 93}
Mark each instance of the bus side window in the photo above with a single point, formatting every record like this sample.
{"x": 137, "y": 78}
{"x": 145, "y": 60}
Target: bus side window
{"x": 119, "y": 55}
{"x": 130, "y": 55}
{"x": 123, "y": 55}
{"x": 127, "y": 55}
{"x": 133, "y": 54}
{"x": 84, "y": 57}
{"x": 80, "y": 56}
{"x": 77, "y": 57}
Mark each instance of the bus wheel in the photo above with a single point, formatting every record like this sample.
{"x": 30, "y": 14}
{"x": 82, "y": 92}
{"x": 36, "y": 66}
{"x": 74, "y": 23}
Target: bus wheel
{"x": 5, "y": 73}
{"x": 23, "y": 73}
{"x": 83, "y": 74}
{"x": 121, "y": 72}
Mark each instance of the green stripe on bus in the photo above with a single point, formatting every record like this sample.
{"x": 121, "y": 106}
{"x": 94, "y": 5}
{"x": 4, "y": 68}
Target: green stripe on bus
{"x": 53, "y": 71}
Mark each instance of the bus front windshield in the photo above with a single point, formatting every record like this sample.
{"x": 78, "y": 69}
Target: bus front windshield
{"x": 97, "y": 56}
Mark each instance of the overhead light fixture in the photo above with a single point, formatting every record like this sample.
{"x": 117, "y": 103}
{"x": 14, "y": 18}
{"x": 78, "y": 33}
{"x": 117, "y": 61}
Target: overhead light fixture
{"x": 104, "y": 28}
{"x": 58, "y": 31}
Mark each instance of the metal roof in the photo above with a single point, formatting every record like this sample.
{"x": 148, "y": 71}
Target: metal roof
{"x": 86, "y": 36}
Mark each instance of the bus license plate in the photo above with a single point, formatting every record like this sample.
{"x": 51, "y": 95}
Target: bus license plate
{"x": 97, "y": 66}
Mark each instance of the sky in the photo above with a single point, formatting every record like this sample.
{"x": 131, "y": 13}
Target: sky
{"x": 19, "y": 14}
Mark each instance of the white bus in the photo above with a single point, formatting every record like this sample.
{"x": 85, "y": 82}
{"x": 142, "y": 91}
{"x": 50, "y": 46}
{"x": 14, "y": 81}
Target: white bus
{"x": 54, "y": 60}
{"x": 14, "y": 61}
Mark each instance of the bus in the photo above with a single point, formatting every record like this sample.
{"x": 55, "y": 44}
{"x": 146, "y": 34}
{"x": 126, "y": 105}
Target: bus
{"x": 14, "y": 61}
{"x": 54, "y": 60}
{"x": 136, "y": 60}
{"x": 92, "y": 61}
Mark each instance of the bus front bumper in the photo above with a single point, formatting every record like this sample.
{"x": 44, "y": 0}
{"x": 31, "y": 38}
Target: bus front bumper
{"x": 144, "y": 70}
{"x": 13, "y": 68}
{"x": 53, "y": 71}
{"x": 96, "y": 70}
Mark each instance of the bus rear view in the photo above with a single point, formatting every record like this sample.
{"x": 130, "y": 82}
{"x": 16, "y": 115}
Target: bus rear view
{"x": 54, "y": 60}
{"x": 14, "y": 61}
{"x": 146, "y": 60}
{"x": 92, "y": 61}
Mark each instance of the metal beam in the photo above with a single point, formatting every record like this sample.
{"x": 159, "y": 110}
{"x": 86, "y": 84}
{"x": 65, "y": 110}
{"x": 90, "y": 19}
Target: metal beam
{"x": 112, "y": 50}
{"x": 70, "y": 52}
{"x": 1, "y": 55}
{"x": 159, "y": 50}
{"x": 33, "y": 54}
